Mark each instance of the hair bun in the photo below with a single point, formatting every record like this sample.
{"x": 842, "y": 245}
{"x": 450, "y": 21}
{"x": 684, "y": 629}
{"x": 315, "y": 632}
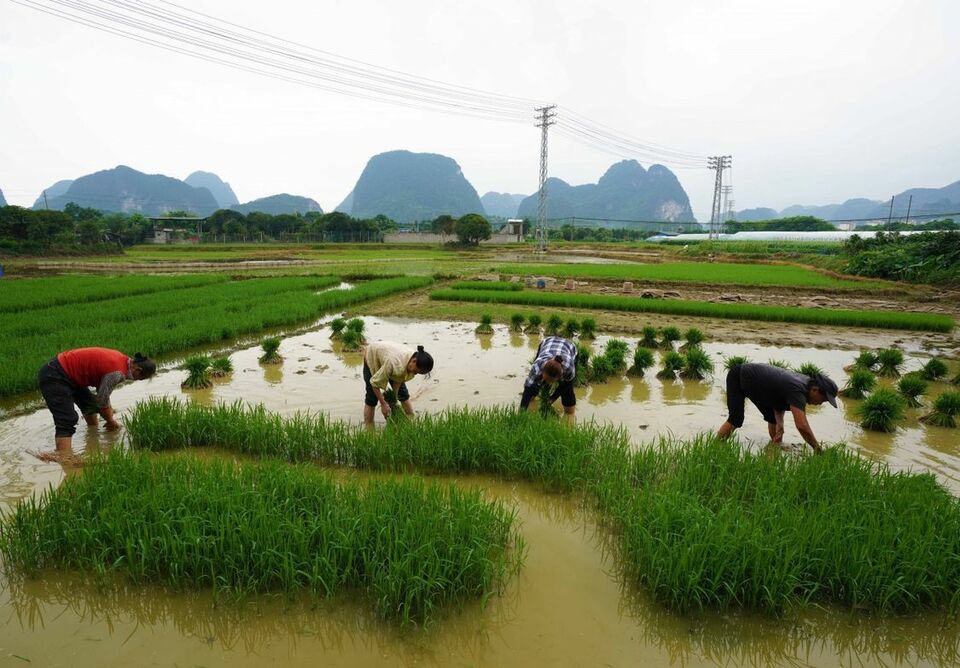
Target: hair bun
{"x": 138, "y": 356}
{"x": 419, "y": 349}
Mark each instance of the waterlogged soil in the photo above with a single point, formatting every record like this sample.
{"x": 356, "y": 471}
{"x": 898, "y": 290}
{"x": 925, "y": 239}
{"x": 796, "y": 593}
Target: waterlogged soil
{"x": 567, "y": 606}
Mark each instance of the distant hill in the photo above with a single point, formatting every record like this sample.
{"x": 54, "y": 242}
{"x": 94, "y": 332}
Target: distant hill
{"x": 55, "y": 190}
{"x": 3, "y": 200}
{"x": 504, "y": 205}
{"x": 221, "y": 191}
{"x": 925, "y": 201}
{"x": 626, "y": 191}
{"x": 126, "y": 190}
{"x": 409, "y": 186}
{"x": 346, "y": 205}
{"x": 279, "y": 204}
{"x": 760, "y": 213}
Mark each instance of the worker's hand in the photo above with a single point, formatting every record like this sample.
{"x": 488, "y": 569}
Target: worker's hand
{"x": 112, "y": 425}
{"x": 385, "y": 409}
{"x": 817, "y": 449}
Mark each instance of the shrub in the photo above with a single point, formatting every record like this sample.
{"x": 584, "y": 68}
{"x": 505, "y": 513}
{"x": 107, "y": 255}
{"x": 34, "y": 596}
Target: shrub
{"x": 642, "y": 360}
{"x": 554, "y": 323}
{"x": 198, "y": 369}
{"x": 220, "y": 366}
{"x": 911, "y": 387}
{"x": 668, "y": 335}
{"x": 533, "y": 323}
{"x": 734, "y": 360}
{"x": 649, "y": 337}
{"x": 270, "y": 346}
{"x": 486, "y": 324}
{"x": 946, "y": 409}
{"x": 880, "y": 410}
{"x": 516, "y": 322}
{"x": 697, "y": 364}
{"x": 588, "y": 329}
{"x": 337, "y": 325}
{"x": 934, "y": 369}
{"x": 889, "y": 360}
{"x": 672, "y": 363}
{"x": 861, "y": 382}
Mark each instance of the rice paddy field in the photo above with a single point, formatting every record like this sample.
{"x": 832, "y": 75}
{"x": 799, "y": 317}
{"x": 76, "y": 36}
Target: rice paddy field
{"x": 255, "y": 520}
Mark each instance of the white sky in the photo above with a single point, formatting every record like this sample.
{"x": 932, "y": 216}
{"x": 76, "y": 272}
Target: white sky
{"x": 817, "y": 100}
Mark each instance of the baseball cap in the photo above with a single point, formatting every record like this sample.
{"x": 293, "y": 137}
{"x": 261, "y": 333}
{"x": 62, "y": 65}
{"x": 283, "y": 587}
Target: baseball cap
{"x": 828, "y": 387}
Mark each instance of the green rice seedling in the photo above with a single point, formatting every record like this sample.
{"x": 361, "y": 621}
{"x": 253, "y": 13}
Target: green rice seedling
{"x": 696, "y": 364}
{"x": 881, "y": 410}
{"x": 571, "y": 328}
{"x": 554, "y": 323}
{"x": 779, "y": 363}
{"x": 533, "y": 323}
{"x": 516, "y": 322}
{"x": 351, "y": 341}
{"x": 588, "y": 329}
{"x": 337, "y": 325}
{"x": 809, "y": 369}
{"x": 270, "y": 346}
{"x": 668, "y": 335}
{"x": 934, "y": 369}
{"x": 410, "y": 549}
{"x": 616, "y": 351}
{"x": 930, "y": 322}
{"x": 693, "y": 338}
{"x": 582, "y": 365}
{"x": 649, "y": 337}
{"x": 396, "y": 410}
{"x": 220, "y": 367}
{"x": 672, "y": 362}
{"x": 734, "y": 360}
{"x": 601, "y": 369}
{"x": 860, "y": 382}
{"x": 500, "y": 286}
{"x": 866, "y": 359}
{"x": 911, "y": 387}
{"x": 486, "y": 324}
{"x": 642, "y": 360}
{"x": 546, "y": 408}
{"x": 357, "y": 325}
{"x": 889, "y": 360}
{"x": 198, "y": 372}
{"x": 946, "y": 410}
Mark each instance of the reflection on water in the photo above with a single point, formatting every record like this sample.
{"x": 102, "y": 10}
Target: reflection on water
{"x": 569, "y": 605}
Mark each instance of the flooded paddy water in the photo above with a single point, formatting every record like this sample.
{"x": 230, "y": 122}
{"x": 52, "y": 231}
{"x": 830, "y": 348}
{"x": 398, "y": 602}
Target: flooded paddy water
{"x": 567, "y": 606}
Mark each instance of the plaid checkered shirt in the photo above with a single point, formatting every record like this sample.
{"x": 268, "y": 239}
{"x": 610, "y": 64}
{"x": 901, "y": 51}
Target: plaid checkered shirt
{"x": 550, "y": 347}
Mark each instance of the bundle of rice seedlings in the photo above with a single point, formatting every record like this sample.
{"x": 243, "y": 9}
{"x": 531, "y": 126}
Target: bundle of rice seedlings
{"x": 780, "y": 363}
{"x": 693, "y": 338}
{"x": 809, "y": 369}
{"x": 616, "y": 351}
{"x": 601, "y": 369}
{"x": 270, "y": 346}
{"x": 546, "y": 405}
{"x": 396, "y": 410}
{"x": 649, "y": 337}
{"x": 516, "y": 322}
{"x": 642, "y": 360}
{"x": 588, "y": 328}
{"x": 696, "y": 364}
{"x": 867, "y": 359}
{"x": 337, "y": 325}
{"x": 220, "y": 366}
{"x": 946, "y": 410}
{"x": 861, "y": 382}
{"x": 668, "y": 335}
{"x": 734, "y": 360}
{"x": 357, "y": 325}
{"x": 889, "y": 360}
{"x": 934, "y": 369}
{"x": 198, "y": 370}
{"x": 533, "y": 323}
{"x": 554, "y": 323}
{"x": 351, "y": 341}
{"x": 486, "y": 324}
{"x": 911, "y": 387}
{"x": 571, "y": 328}
{"x": 881, "y": 410}
{"x": 672, "y": 363}
{"x": 582, "y": 365}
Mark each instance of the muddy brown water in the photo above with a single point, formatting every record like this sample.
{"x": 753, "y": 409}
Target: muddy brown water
{"x": 567, "y": 607}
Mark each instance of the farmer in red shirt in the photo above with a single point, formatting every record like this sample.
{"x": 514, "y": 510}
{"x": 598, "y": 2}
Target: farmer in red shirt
{"x": 67, "y": 378}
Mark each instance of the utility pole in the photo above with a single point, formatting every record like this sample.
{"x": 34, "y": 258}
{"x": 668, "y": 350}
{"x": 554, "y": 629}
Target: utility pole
{"x": 890, "y": 215}
{"x": 45, "y": 205}
{"x": 544, "y": 121}
{"x": 727, "y": 191}
{"x": 909, "y": 204}
{"x": 717, "y": 163}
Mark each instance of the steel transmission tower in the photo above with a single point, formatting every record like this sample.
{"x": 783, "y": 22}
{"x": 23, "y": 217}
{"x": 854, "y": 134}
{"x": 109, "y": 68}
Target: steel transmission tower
{"x": 544, "y": 121}
{"x": 727, "y": 191}
{"x": 718, "y": 163}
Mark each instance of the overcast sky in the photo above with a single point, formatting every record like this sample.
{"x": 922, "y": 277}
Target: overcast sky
{"x": 817, "y": 101}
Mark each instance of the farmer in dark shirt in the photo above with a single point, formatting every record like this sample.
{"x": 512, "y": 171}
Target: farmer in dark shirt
{"x": 774, "y": 391}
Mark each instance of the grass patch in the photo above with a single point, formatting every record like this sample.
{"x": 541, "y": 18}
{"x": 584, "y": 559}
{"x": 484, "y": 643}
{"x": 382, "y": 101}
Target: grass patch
{"x": 408, "y": 547}
{"x": 503, "y": 286}
{"x": 874, "y": 319}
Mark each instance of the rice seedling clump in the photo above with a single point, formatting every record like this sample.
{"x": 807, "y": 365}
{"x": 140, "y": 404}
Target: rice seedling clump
{"x": 220, "y": 367}
{"x": 198, "y": 372}
{"x": 934, "y": 369}
{"x": 546, "y": 400}
{"x": 649, "y": 337}
{"x": 809, "y": 369}
{"x": 486, "y": 324}
{"x": 351, "y": 341}
{"x": 860, "y": 382}
{"x": 357, "y": 325}
{"x": 693, "y": 337}
{"x": 780, "y": 363}
{"x": 571, "y": 328}
{"x": 734, "y": 360}
{"x": 642, "y": 360}
{"x": 533, "y": 323}
{"x": 582, "y": 365}
{"x": 911, "y": 387}
{"x": 412, "y": 548}
{"x": 672, "y": 362}
{"x": 881, "y": 410}
{"x": 669, "y": 335}
{"x": 270, "y": 347}
{"x": 337, "y": 325}
{"x": 554, "y": 323}
{"x": 867, "y": 360}
{"x": 588, "y": 329}
{"x": 889, "y": 361}
{"x": 946, "y": 410}
{"x": 516, "y": 322}
{"x": 696, "y": 364}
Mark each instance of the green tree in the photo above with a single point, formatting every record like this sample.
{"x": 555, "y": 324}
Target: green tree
{"x": 443, "y": 224}
{"x": 472, "y": 228}
{"x": 89, "y": 232}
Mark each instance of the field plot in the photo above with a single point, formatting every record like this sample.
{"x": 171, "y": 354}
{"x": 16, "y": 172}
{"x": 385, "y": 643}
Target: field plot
{"x": 695, "y": 272}
{"x": 174, "y": 320}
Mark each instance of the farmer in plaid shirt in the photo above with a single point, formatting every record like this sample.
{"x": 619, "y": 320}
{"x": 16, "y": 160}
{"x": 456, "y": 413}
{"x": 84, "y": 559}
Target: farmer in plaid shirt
{"x": 556, "y": 362}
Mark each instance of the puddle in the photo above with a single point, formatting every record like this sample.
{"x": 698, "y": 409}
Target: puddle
{"x": 567, "y": 607}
